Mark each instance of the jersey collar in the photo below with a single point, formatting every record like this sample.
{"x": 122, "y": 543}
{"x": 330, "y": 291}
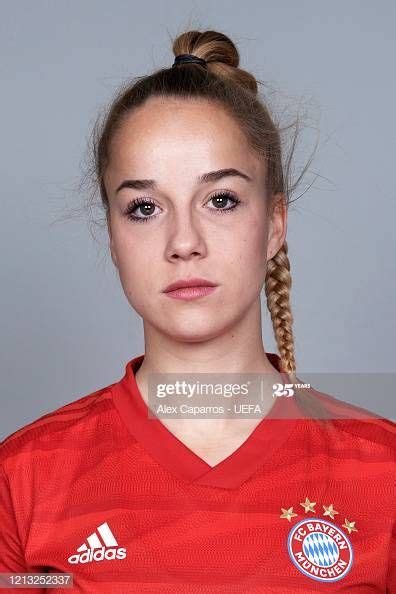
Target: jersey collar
{"x": 182, "y": 462}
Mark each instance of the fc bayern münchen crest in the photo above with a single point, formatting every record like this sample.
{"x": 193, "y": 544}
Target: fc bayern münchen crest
{"x": 320, "y": 550}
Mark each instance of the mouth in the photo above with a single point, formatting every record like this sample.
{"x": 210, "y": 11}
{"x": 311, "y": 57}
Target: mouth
{"x": 190, "y": 289}
{"x": 190, "y": 292}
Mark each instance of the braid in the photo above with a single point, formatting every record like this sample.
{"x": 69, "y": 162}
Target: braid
{"x": 277, "y": 288}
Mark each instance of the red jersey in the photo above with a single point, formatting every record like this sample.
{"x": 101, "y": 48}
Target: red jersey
{"x": 101, "y": 490}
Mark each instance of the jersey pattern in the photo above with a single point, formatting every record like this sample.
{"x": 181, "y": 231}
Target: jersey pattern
{"x": 98, "y": 489}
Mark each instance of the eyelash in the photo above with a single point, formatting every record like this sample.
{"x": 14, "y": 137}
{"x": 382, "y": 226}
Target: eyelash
{"x": 139, "y": 201}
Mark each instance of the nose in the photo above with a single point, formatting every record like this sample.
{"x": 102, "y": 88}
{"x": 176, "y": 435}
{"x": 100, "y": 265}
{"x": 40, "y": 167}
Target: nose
{"x": 185, "y": 238}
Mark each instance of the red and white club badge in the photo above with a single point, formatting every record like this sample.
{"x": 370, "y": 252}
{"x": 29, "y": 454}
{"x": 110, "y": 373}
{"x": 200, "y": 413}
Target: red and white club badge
{"x": 320, "y": 550}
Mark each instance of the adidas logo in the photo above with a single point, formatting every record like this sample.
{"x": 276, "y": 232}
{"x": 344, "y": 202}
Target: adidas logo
{"x": 95, "y": 551}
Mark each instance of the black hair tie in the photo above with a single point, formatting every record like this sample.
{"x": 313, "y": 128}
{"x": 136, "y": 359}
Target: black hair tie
{"x": 189, "y": 58}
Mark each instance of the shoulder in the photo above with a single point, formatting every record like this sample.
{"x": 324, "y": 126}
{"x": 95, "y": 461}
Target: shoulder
{"x": 359, "y": 424}
{"x": 66, "y": 426}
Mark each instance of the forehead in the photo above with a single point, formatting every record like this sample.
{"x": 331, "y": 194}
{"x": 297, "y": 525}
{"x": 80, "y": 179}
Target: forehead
{"x": 191, "y": 133}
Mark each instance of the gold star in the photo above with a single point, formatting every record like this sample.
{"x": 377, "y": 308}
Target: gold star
{"x": 287, "y": 513}
{"x": 308, "y": 505}
{"x": 350, "y": 526}
{"x": 330, "y": 511}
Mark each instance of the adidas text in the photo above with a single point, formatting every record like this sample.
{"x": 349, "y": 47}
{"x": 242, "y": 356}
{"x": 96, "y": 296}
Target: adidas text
{"x": 98, "y": 555}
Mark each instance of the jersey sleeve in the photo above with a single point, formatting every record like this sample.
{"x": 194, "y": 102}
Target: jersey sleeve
{"x": 12, "y": 558}
{"x": 11, "y": 553}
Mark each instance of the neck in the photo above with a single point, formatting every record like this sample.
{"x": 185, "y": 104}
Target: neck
{"x": 238, "y": 349}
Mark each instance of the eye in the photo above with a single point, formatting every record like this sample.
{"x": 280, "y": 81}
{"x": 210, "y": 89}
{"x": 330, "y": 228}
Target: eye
{"x": 144, "y": 207}
{"x": 221, "y": 198}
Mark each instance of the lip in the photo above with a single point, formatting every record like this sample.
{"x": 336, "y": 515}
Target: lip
{"x": 189, "y": 293}
{"x": 189, "y": 283}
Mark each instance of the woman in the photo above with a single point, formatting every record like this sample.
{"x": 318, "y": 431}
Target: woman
{"x": 298, "y": 499}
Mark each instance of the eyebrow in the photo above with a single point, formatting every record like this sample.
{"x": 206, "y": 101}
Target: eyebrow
{"x": 212, "y": 176}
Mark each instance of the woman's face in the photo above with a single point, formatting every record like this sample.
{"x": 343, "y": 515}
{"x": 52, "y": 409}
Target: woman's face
{"x": 183, "y": 231}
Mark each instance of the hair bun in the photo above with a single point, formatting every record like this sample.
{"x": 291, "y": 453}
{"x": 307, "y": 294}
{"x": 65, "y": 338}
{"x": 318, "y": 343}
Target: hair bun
{"x": 219, "y": 52}
{"x": 212, "y": 46}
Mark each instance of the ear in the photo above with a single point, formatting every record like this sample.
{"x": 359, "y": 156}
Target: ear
{"x": 277, "y": 214}
{"x": 111, "y": 241}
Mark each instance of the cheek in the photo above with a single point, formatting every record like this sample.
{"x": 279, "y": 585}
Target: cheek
{"x": 247, "y": 273}
{"x": 136, "y": 268}
{"x": 250, "y": 248}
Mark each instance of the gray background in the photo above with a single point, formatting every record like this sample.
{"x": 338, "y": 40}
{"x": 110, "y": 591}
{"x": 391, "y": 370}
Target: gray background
{"x": 66, "y": 326}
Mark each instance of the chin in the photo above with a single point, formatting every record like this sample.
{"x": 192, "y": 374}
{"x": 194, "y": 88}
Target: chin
{"x": 188, "y": 331}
